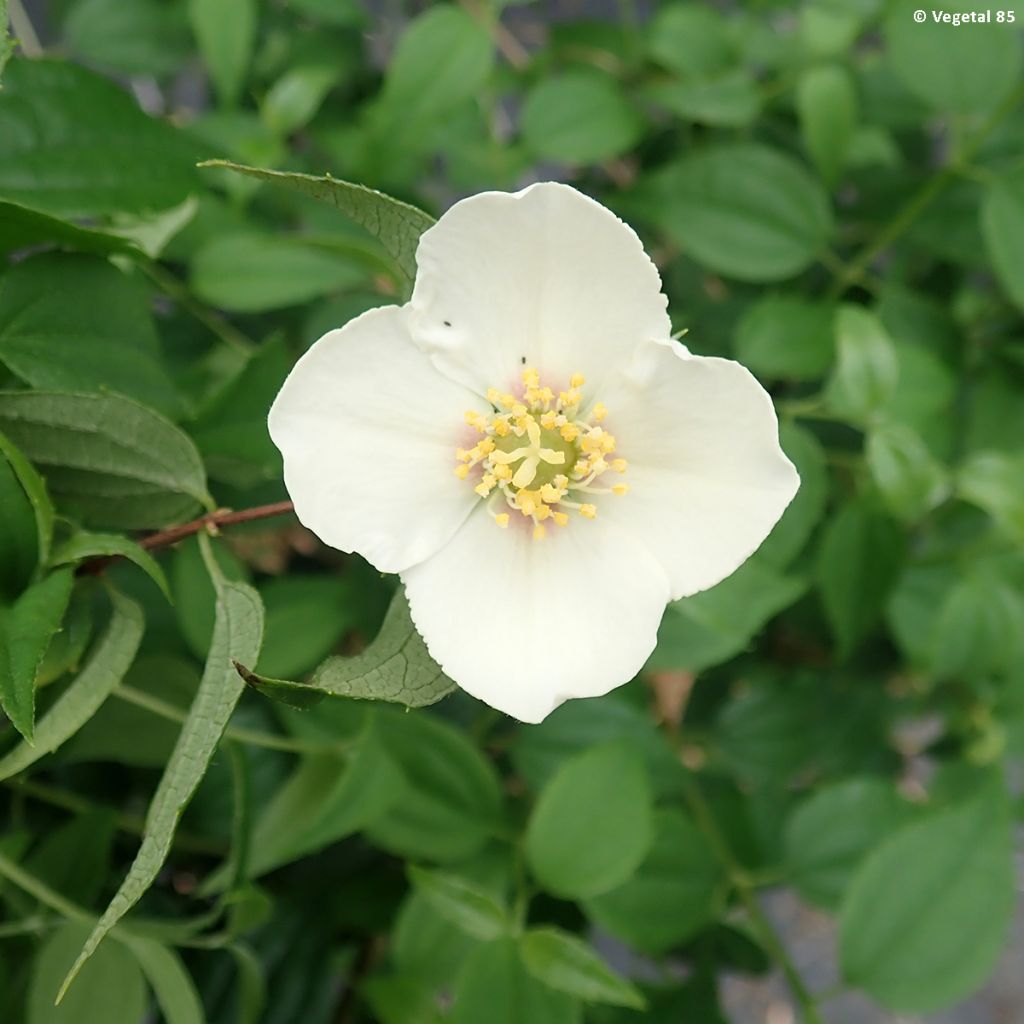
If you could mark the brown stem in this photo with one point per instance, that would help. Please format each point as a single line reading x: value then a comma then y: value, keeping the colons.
x: 211, y: 521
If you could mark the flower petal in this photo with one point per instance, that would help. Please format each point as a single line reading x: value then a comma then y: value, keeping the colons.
x: 524, y: 625
x: 368, y: 428
x: 546, y: 277
x: 707, y: 477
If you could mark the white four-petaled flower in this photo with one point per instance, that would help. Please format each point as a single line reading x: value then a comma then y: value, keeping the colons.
x: 525, y: 444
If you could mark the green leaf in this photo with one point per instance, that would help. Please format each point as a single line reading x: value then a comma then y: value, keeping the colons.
x: 395, y: 667
x: 35, y: 490
x: 22, y: 228
x: 994, y: 481
x: 567, y: 964
x: 979, y: 630
x: 467, y: 905
x: 592, y: 824
x: 99, y: 337
x: 249, y: 273
x: 226, y: 32
x: 920, y: 939
x: 74, y: 143
x: 676, y: 891
x: 442, y: 59
x: 237, y: 635
x: 830, y: 832
x: 401, y: 999
x: 805, y: 511
x: 743, y: 210
x: 107, y: 459
x: 826, y: 102
x: 175, y: 991
x: 324, y: 801
x: 452, y: 802
x: 6, y: 43
x: 82, y: 545
x: 577, y: 725
x: 728, y: 100
x: 110, y: 660
x: 1002, y: 223
x: 26, y: 628
x: 494, y: 986
x: 293, y: 100
x: 859, y: 561
x: 959, y: 69
x: 144, y: 37
x: 867, y: 369
x: 715, y: 625
x: 579, y: 117
x: 396, y: 225
x: 786, y: 336
x: 691, y: 39
x: 19, y: 539
x: 909, y: 478
x: 112, y: 988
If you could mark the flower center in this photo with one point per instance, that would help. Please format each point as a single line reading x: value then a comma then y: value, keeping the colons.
x: 537, y: 456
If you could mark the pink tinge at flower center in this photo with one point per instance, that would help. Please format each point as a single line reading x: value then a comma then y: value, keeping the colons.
x: 537, y: 457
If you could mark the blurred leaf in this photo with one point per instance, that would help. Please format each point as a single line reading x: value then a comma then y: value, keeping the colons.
x: 717, y: 624
x: 826, y: 101
x: 106, y: 667
x: 293, y: 100
x: 306, y: 618
x: 994, y: 482
x: 578, y: 117
x: 6, y: 43
x: 867, y: 370
x: 830, y: 832
x: 495, y: 986
x: 226, y: 32
x: 111, y: 988
x: 80, y: 877
x: 577, y: 725
x: 99, y: 337
x: 396, y: 225
x: 452, y: 802
x: 25, y: 631
x: 144, y: 37
x: 83, y: 545
x: 805, y: 511
x: 1002, y: 221
x: 73, y: 143
x: 193, y: 593
x: 830, y: 27
x: 442, y: 58
x: 401, y: 999
x: 979, y: 629
x: 251, y: 274
x: 568, y: 964
x: 106, y: 459
x: 690, y: 38
x: 324, y: 801
x: 743, y: 210
x: 237, y: 635
x: 909, y: 479
x: 959, y: 69
x: 175, y: 991
x: 786, y: 336
x: 469, y: 906
x: 591, y: 826
x: 728, y: 100
x: 858, y: 563
x: 923, y: 938
x: 674, y: 893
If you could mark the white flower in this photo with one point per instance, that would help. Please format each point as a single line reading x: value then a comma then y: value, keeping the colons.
x: 525, y: 444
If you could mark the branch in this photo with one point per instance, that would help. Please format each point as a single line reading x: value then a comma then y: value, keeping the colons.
x: 212, y: 521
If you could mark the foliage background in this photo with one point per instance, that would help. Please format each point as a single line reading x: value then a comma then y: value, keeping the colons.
x: 834, y: 195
